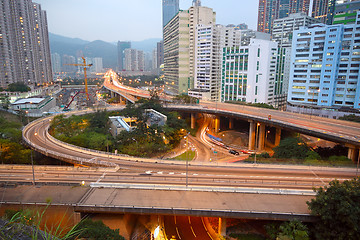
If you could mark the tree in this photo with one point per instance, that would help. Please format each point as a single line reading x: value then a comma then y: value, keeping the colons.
x: 338, y: 209
x: 291, y: 148
x: 97, y: 230
x: 351, y: 117
x: 99, y: 121
x: 18, y: 87
x: 293, y: 230
x: 5, y: 101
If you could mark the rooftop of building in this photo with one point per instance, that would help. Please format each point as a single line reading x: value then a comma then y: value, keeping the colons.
x: 34, y: 100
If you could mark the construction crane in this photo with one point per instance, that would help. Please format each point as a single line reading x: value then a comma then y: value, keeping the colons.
x: 85, y: 67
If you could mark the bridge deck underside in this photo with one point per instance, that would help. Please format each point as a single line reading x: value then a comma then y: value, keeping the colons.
x: 164, y: 202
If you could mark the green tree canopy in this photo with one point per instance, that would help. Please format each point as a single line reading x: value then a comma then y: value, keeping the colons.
x: 18, y: 87
x: 351, y: 117
x: 293, y: 230
x: 338, y: 209
x: 291, y: 148
x: 97, y: 230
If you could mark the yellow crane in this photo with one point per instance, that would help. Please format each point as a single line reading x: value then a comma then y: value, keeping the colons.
x: 85, y: 67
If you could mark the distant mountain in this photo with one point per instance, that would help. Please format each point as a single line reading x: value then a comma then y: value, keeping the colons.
x: 58, y: 38
x: 107, y: 51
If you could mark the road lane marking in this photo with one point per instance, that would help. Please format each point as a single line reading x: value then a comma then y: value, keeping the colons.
x: 102, y: 176
x: 318, y: 177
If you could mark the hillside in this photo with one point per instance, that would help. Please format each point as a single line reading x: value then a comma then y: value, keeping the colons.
x: 108, y: 51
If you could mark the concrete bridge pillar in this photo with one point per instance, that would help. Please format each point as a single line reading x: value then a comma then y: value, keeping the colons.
x: 261, y: 137
x: 193, y: 120
x: 217, y: 124
x: 231, y: 123
x: 77, y: 217
x: 277, y: 136
x: 222, y: 226
x: 353, y: 153
x: 252, y: 131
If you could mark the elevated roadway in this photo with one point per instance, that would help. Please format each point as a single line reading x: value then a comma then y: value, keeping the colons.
x: 329, y: 129
x: 151, y: 176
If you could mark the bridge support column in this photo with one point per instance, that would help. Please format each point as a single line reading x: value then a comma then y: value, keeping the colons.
x: 231, y: 123
x: 252, y: 135
x: 77, y: 217
x: 261, y: 136
x: 353, y: 153
x: 222, y: 226
x: 217, y: 124
x: 193, y: 120
x: 277, y: 136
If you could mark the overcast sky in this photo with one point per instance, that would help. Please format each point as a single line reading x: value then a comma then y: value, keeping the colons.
x: 131, y: 20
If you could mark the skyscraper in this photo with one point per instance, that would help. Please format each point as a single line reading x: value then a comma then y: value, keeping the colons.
x: 24, y: 43
x: 121, y: 56
x: 56, y: 62
x: 180, y: 39
x: 134, y: 60
x: 170, y: 9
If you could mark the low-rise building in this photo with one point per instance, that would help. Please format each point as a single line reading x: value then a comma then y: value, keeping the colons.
x: 34, y: 107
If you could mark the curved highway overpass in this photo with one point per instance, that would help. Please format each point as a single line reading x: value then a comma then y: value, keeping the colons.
x: 37, y: 136
x: 329, y: 129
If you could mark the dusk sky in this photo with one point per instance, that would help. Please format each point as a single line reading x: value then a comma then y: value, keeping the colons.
x: 136, y: 20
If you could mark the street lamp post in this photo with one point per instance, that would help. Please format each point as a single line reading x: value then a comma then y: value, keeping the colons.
x: 187, y: 162
x: 107, y: 145
x: 256, y: 139
x: 32, y: 164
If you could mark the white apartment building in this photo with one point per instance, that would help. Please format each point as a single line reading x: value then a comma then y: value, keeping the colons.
x: 97, y: 65
x: 248, y: 73
x: 283, y: 28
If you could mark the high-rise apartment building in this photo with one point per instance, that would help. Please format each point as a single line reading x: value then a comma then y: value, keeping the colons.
x: 121, y: 46
x: 269, y: 10
x: 170, y: 8
x: 66, y: 60
x: 134, y: 60
x: 248, y: 74
x: 159, y: 54
x: 97, y: 65
x: 24, y: 43
x: 211, y: 40
x: 282, y: 33
x: 284, y: 28
x: 56, y: 62
x: 325, y: 66
x: 176, y: 54
x: 180, y: 39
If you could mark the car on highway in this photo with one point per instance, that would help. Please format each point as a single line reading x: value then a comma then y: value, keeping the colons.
x: 247, y: 151
x: 232, y: 151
